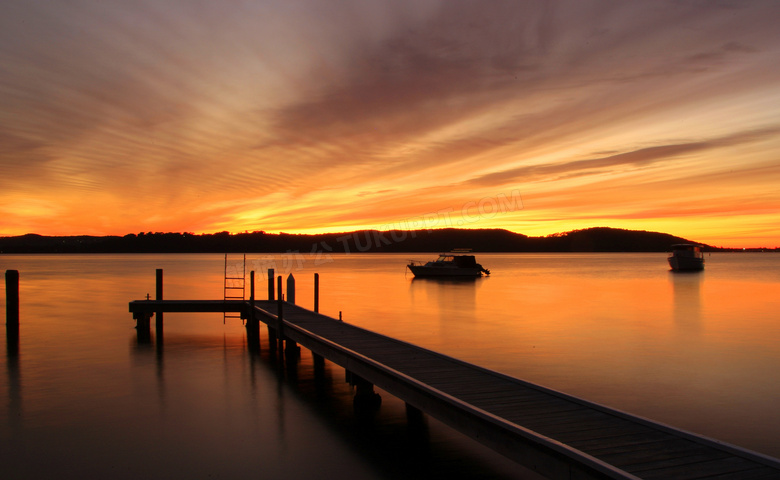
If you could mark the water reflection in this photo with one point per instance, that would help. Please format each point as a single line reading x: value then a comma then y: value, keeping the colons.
x: 686, y: 293
x: 616, y: 328
x: 14, y: 377
x: 453, y: 300
x: 395, y: 441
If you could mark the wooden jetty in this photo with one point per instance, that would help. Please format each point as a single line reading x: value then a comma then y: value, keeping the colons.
x: 557, y: 435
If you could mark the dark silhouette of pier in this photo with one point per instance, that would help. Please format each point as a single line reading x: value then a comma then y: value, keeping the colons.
x: 557, y: 435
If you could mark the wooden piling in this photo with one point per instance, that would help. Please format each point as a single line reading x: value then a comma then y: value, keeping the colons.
x: 12, y: 316
x: 159, y: 296
x: 319, y: 368
x: 414, y: 416
x: 366, y: 400
x: 252, y: 323
x: 319, y: 361
x: 291, y: 288
x: 271, y: 337
x: 417, y: 424
x: 317, y: 292
x: 270, y: 284
x: 291, y: 348
x: 142, y: 321
x: 252, y: 294
x: 280, y: 314
x: 11, y: 299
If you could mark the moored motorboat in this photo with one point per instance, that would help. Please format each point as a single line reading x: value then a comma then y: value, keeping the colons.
x: 449, y: 265
x: 686, y: 257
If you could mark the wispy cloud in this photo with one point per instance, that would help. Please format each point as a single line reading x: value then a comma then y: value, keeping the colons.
x: 635, y: 159
x: 308, y: 114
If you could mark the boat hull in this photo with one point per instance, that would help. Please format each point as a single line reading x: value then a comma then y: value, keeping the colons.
x: 686, y: 264
x: 425, y: 271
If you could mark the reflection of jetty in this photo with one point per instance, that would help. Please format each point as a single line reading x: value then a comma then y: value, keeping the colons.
x: 555, y: 434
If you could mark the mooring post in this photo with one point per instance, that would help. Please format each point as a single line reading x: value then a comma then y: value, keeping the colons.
x: 12, y: 315
x: 11, y: 299
x: 12, y: 339
x: 159, y: 296
x: 270, y: 284
x: 317, y: 292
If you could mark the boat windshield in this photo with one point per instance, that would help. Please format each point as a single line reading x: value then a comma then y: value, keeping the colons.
x: 691, y: 248
x: 694, y: 250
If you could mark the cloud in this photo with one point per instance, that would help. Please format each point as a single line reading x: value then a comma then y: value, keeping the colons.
x: 636, y: 158
x: 320, y: 113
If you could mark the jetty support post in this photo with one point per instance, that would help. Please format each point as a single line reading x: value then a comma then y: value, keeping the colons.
x: 319, y: 360
x: 291, y: 348
x: 317, y: 292
x: 251, y: 317
x: 271, y: 329
x: 415, y: 418
x: 319, y: 366
x: 270, y: 284
x: 142, y: 322
x: 252, y: 323
x: 366, y: 400
x: 280, y: 315
x: 159, y: 296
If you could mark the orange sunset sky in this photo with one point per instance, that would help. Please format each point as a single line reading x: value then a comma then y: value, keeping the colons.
x: 122, y: 116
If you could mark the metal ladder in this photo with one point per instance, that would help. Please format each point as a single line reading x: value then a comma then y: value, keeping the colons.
x: 235, y: 285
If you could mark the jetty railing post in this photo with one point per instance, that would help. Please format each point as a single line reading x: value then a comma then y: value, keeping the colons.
x: 270, y: 284
x: 317, y: 292
x: 159, y: 296
x: 11, y: 299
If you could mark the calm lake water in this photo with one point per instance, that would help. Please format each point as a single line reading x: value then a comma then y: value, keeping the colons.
x: 83, y: 398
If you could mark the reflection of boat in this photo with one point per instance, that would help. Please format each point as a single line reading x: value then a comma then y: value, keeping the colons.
x: 686, y: 257
x: 449, y: 265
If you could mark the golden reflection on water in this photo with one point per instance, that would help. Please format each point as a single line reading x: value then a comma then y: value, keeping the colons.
x: 87, y: 397
x: 694, y: 350
x: 619, y: 329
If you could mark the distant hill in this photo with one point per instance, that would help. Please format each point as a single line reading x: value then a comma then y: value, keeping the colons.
x: 601, y: 239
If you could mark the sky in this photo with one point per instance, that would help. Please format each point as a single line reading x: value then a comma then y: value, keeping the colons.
x: 306, y: 116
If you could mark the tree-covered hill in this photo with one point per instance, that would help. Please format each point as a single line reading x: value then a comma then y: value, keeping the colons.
x: 601, y: 239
